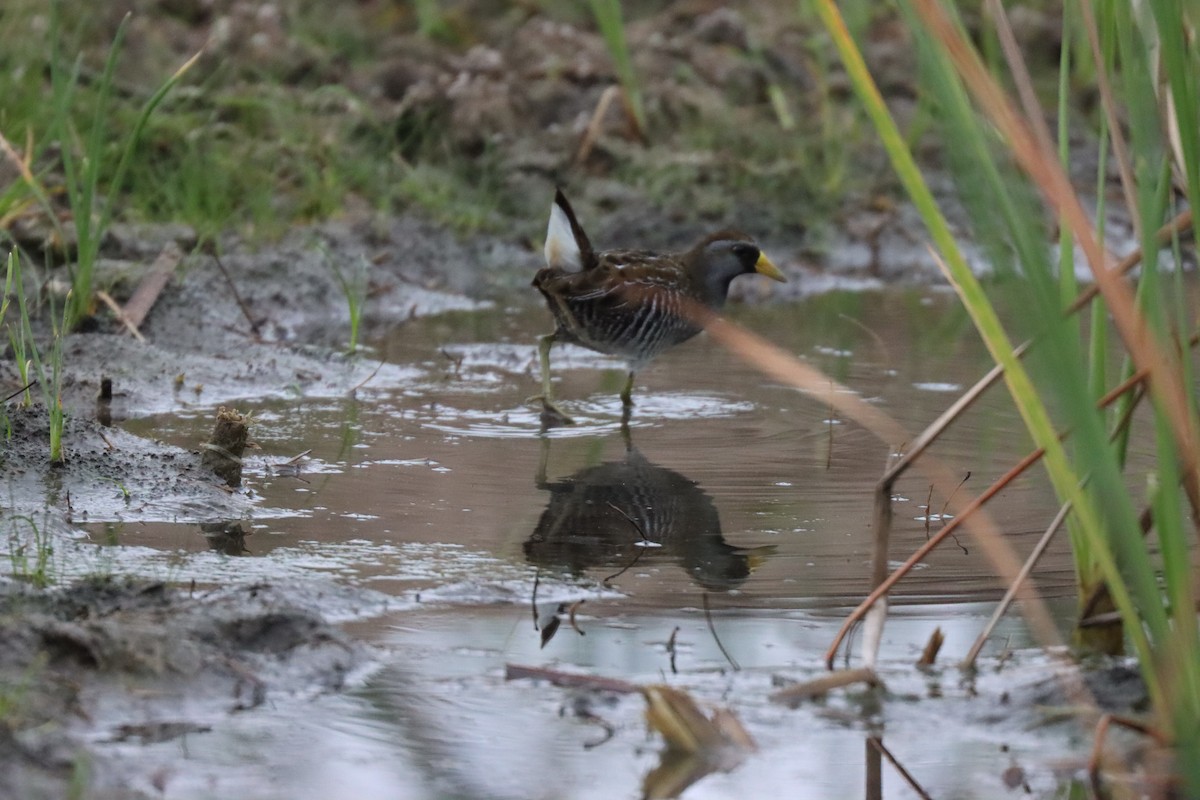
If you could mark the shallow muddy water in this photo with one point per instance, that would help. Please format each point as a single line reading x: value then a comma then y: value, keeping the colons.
x: 441, y: 491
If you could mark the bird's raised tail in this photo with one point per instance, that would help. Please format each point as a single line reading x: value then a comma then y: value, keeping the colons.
x: 567, y: 246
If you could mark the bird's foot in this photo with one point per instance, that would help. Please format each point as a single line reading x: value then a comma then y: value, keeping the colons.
x: 552, y: 415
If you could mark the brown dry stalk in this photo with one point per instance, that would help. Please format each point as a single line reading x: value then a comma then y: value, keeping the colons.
x: 1015, y: 587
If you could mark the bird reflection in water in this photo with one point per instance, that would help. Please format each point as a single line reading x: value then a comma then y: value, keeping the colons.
x: 632, y: 511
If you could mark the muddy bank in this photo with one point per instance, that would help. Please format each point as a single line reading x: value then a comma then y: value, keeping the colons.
x: 108, y: 661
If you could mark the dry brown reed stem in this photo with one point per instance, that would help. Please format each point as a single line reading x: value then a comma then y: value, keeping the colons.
x: 877, y: 743
x: 935, y: 429
x: 792, y: 696
x: 1145, y: 520
x: 932, y: 648
x: 1013, y: 588
x: 119, y: 315
x: 1045, y: 171
x: 1106, y: 722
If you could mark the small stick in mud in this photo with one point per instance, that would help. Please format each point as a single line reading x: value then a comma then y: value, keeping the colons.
x: 255, y: 325
x: 119, y: 314
x: 223, y: 453
x: 150, y: 288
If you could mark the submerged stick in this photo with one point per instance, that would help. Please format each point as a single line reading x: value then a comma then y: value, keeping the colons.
x: 794, y: 695
x: 877, y: 743
x: 570, y: 680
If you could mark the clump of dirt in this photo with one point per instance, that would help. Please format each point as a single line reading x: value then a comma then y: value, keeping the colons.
x: 106, y: 660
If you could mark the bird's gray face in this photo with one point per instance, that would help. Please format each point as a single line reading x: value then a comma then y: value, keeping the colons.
x: 724, y: 260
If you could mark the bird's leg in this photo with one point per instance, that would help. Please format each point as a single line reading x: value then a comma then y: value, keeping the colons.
x: 626, y: 436
x: 550, y: 411
x: 627, y: 393
x: 539, y: 477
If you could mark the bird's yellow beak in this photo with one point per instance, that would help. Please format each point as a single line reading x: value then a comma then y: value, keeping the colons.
x: 764, y: 267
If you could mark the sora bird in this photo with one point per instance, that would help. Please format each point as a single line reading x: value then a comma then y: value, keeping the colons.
x: 633, y: 304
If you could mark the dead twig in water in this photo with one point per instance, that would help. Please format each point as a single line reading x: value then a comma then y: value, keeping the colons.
x: 946, y: 505
x: 671, y: 649
x: 883, y: 508
x: 877, y: 743
x: 354, y: 389
x: 932, y: 648
x: 537, y: 579
x: 882, y: 520
x: 570, y: 680
x: 571, y: 611
x: 794, y: 695
x: 596, y: 719
x: 919, y: 555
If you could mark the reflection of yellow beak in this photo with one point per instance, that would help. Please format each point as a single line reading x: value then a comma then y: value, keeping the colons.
x: 764, y: 267
x: 757, y: 556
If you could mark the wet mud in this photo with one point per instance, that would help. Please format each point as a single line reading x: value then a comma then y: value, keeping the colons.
x: 115, y: 661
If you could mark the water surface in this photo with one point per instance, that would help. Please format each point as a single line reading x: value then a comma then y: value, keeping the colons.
x: 445, y: 493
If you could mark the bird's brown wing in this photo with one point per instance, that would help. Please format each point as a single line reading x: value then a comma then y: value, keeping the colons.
x: 629, y: 304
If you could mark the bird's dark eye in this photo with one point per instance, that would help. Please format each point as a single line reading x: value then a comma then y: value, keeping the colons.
x: 746, y: 252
